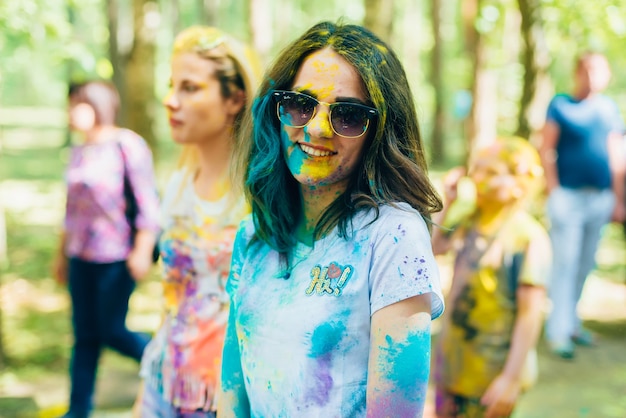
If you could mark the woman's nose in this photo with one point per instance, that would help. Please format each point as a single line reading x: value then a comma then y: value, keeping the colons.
x: 170, y: 100
x: 319, y: 126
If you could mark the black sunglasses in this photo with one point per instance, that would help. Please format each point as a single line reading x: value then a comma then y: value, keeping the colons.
x: 349, y: 120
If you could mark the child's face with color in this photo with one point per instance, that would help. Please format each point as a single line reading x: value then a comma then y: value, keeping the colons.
x: 315, y: 154
x: 495, y: 182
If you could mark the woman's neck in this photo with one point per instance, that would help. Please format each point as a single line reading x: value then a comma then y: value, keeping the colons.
x: 100, y: 133
x: 214, y: 158
x: 315, y: 200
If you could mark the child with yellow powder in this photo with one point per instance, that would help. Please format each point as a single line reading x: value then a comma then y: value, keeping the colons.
x: 486, y: 352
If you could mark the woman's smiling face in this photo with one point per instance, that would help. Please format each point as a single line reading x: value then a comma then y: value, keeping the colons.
x: 315, y: 155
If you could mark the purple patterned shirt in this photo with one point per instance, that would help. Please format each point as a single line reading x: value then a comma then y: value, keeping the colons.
x: 96, y: 228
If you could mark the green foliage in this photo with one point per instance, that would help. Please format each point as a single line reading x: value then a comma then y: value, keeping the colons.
x: 45, y: 43
x: 572, y: 27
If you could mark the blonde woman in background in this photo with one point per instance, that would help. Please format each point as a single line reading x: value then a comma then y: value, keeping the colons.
x: 212, y: 85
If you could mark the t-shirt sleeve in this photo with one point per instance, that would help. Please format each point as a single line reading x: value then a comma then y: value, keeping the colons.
x: 552, y: 113
x: 537, y: 259
x: 403, y: 264
x: 142, y: 180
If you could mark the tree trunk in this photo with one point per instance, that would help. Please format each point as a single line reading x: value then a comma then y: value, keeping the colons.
x: 437, y: 148
x: 117, y: 58
x: 379, y: 18
x: 481, y: 124
x: 260, y: 18
x: 3, y: 262
x: 208, y: 10
x: 536, y: 59
x: 139, y: 72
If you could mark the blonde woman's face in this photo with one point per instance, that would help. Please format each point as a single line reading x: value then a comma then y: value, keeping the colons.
x: 196, y: 110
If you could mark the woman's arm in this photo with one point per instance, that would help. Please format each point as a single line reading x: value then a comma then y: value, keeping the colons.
x: 399, y: 361
x: 59, y: 264
x: 547, y: 153
x: 141, y: 179
x: 232, y: 400
x: 617, y: 161
x: 139, y: 260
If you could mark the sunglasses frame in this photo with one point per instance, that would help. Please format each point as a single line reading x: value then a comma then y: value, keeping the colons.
x: 279, y: 95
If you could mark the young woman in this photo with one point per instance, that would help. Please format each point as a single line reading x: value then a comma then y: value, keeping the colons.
x: 100, y: 256
x: 333, y: 283
x: 212, y: 84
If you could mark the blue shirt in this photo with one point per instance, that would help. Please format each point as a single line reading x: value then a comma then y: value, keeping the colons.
x: 584, y: 126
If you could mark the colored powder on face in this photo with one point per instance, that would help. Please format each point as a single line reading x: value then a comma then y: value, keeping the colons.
x: 300, y: 165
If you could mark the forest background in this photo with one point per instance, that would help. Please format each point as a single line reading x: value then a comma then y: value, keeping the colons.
x: 477, y: 68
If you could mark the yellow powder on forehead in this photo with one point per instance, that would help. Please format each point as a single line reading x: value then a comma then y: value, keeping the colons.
x: 320, y: 94
x: 198, y: 39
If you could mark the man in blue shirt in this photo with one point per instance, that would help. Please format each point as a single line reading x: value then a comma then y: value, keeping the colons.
x: 585, y: 182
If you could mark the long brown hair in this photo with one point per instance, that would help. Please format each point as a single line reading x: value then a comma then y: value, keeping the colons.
x: 393, y: 168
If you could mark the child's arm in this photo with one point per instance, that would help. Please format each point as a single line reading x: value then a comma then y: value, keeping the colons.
x: 502, y: 394
x: 399, y: 363
x: 440, y: 239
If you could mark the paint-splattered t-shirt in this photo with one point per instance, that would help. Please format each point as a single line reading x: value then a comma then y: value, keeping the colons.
x: 182, y: 362
x: 304, y: 334
x: 478, y: 325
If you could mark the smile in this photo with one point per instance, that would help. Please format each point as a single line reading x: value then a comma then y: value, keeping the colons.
x: 314, y: 152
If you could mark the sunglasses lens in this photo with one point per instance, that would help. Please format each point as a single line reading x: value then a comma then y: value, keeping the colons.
x: 349, y: 120
x: 296, y: 109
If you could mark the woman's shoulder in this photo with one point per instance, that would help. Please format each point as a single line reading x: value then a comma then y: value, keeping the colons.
x: 390, y: 213
x: 178, y: 179
x: 385, y: 219
x: 246, y: 228
x: 132, y: 142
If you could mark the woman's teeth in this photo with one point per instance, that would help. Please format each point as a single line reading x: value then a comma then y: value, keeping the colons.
x: 314, y: 152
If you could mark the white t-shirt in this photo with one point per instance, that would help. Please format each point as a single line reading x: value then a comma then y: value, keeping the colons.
x: 182, y: 361
x: 304, y: 335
